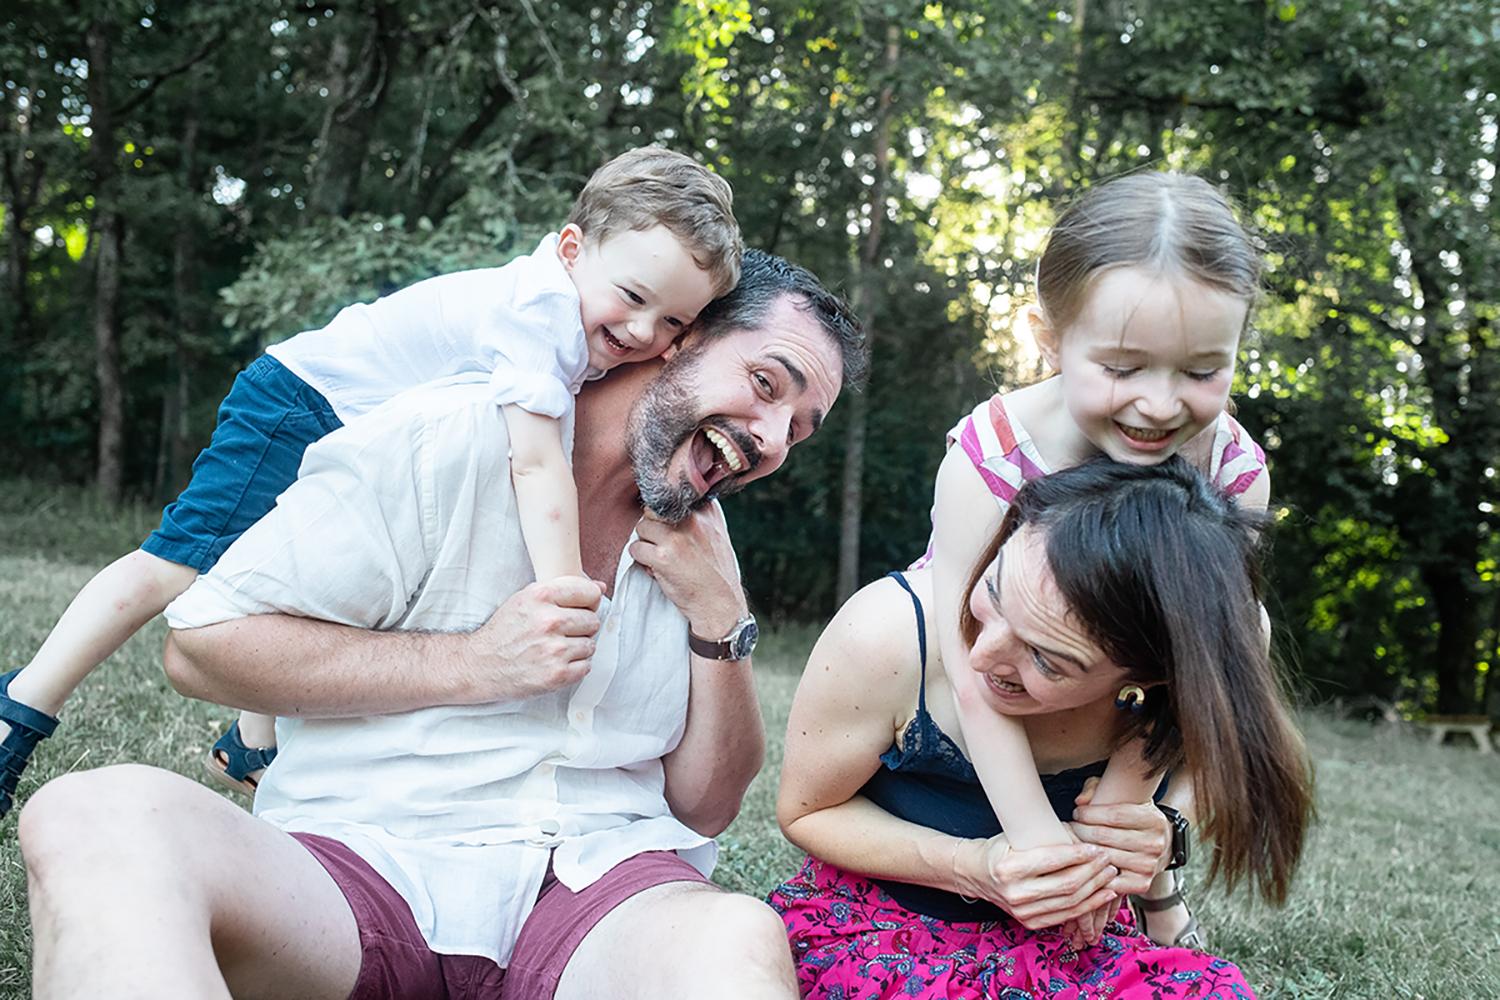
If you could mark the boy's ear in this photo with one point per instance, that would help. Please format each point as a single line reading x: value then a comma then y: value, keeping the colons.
x: 676, y: 344
x: 569, y: 245
x: 1046, y: 336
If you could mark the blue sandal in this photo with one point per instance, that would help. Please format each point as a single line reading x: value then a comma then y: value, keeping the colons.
x: 28, y: 727
x: 233, y: 763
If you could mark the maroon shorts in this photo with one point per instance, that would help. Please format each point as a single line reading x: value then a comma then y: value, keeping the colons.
x: 395, y: 962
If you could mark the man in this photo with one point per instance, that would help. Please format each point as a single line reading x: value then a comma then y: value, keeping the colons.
x: 545, y: 817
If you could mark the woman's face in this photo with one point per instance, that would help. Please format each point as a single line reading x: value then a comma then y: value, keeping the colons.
x: 1034, y: 655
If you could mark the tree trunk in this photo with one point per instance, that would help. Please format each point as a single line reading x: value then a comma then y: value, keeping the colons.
x: 864, y: 307
x: 1448, y: 536
x: 106, y: 241
x: 172, y: 445
x: 358, y: 83
x: 1458, y: 636
x: 23, y: 178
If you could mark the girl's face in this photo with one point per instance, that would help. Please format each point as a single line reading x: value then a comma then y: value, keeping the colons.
x: 1147, y: 363
x: 1034, y: 655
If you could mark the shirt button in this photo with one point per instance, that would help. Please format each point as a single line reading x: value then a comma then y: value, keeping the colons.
x: 550, y: 827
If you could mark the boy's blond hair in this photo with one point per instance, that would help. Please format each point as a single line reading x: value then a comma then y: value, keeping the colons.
x: 652, y: 186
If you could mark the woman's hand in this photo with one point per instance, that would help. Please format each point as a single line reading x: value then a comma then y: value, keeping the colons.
x: 1040, y: 887
x: 1134, y: 837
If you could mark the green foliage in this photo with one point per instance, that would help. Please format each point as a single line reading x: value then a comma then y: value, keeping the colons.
x: 256, y: 148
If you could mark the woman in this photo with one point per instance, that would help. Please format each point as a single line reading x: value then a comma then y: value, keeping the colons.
x: 1116, y: 600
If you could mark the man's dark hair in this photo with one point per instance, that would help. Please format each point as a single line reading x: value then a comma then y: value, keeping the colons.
x: 765, y: 278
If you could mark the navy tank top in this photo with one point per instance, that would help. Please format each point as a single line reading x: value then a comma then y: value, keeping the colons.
x: 925, y: 778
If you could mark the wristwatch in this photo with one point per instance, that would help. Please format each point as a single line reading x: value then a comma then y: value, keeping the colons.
x: 738, y: 644
x: 1180, y: 838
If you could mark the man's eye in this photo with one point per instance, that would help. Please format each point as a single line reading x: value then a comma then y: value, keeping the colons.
x: 763, y: 383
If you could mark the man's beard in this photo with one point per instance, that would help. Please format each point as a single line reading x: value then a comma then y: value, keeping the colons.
x: 661, y: 422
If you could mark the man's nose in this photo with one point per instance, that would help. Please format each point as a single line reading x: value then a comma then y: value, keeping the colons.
x: 772, y: 433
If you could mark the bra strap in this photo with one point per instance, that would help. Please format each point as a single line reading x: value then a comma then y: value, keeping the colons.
x: 921, y: 634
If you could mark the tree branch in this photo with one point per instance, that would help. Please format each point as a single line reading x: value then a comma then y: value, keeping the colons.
x: 142, y: 96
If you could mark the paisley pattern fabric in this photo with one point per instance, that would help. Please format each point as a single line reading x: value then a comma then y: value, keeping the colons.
x: 851, y: 941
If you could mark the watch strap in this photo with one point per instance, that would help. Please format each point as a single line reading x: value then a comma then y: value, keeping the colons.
x: 737, y: 645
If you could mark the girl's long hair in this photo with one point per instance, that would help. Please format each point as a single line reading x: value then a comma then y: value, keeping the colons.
x: 1163, y: 572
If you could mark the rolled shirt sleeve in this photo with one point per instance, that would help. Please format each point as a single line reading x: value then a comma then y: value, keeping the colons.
x: 539, y: 354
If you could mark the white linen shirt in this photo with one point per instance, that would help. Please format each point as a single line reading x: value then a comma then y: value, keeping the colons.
x: 520, y: 324
x: 405, y: 519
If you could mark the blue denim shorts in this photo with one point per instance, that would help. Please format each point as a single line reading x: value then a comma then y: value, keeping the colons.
x: 265, y: 424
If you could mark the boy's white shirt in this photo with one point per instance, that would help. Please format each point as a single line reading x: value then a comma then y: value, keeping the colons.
x: 520, y: 324
x: 405, y: 519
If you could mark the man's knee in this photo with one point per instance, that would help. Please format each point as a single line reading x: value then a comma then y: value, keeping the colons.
x: 100, y: 816
x: 744, y: 932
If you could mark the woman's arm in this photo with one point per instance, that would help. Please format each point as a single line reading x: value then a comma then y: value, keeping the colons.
x: 966, y: 516
x: 859, y: 685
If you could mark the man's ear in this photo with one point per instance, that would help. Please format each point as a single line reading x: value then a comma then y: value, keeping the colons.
x: 1047, y: 337
x: 569, y: 245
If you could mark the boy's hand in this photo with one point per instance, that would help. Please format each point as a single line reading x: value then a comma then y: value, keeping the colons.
x: 695, y: 566
x: 539, y: 640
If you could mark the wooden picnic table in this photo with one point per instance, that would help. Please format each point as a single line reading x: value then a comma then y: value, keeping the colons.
x: 1477, y: 726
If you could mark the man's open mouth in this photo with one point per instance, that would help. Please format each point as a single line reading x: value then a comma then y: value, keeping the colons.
x: 716, y: 457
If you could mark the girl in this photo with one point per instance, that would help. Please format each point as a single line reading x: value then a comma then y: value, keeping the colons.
x: 1143, y: 291
x: 1119, y: 576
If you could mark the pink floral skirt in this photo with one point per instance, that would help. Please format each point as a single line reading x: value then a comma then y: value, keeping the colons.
x: 851, y: 940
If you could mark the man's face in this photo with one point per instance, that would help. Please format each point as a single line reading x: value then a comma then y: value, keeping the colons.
x: 725, y: 411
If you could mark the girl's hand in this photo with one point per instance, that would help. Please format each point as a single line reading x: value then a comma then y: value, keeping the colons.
x: 1040, y: 887
x: 1135, y: 837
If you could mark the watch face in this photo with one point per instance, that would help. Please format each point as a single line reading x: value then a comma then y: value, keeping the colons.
x: 743, y: 642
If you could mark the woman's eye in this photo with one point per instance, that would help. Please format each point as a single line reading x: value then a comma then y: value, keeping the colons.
x: 1203, y: 376
x: 1114, y: 372
x: 674, y: 322
x: 1042, y: 666
x: 633, y: 297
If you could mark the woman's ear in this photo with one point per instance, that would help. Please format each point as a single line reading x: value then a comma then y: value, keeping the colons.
x: 1048, y: 338
x: 569, y: 245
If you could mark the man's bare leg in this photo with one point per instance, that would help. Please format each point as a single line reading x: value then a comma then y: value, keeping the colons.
x: 683, y: 939
x: 145, y: 884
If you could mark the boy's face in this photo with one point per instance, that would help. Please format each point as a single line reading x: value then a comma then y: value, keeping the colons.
x: 637, y: 291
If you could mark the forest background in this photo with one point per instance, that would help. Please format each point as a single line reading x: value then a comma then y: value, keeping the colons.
x: 185, y: 183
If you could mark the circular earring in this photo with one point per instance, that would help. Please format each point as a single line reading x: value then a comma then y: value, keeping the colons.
x: 1132, y: 697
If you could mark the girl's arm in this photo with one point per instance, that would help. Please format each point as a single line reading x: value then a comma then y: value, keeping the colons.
x: 546, y: 496
x: 965, y: 518
x: 860, y: 682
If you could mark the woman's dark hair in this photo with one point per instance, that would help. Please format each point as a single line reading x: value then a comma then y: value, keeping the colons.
x: 1163, y: 573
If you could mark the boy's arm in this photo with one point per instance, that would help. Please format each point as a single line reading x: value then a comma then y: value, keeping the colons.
x: 546, y: 496
x: 966, y: 516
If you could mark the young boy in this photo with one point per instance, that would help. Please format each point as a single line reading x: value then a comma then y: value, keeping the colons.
x: 649, y: 242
